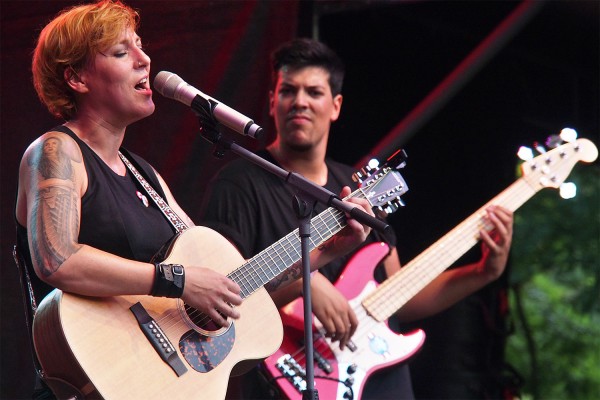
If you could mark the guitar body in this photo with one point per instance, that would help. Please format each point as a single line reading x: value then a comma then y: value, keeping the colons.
x: 376, y: 346
x: 95, y: 346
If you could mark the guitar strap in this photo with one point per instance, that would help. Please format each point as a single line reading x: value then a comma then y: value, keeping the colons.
x: 167, y: 211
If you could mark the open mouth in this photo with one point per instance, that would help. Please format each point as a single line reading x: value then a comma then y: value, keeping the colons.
x: 142, y: 84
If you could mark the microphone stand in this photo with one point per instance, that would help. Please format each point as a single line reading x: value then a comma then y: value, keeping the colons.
x: 308, y: 194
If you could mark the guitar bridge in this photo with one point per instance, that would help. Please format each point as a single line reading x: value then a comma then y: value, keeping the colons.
x: 158, y: 339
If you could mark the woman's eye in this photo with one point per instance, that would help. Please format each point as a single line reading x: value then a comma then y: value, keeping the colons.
x: 121, y: 54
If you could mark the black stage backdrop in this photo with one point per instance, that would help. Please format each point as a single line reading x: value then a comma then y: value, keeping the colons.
x: 533, y: 71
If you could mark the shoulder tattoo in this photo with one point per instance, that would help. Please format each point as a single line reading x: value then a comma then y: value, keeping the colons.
x: 54, y: 223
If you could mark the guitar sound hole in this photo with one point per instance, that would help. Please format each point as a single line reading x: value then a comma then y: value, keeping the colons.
x: 203, y: 323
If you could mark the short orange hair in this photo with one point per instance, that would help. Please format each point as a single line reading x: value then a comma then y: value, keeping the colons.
x: 71, y: 40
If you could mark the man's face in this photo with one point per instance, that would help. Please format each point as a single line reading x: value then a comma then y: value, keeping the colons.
x: 303, y: 107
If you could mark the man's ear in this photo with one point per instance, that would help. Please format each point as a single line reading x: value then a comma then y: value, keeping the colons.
x: 271, y: 103
x: 337, y: 107
x: 74, y: 80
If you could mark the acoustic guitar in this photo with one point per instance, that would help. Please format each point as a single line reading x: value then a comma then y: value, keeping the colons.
x: 143, y: 347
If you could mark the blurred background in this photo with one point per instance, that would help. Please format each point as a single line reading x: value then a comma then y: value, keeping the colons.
x: 459, y: 85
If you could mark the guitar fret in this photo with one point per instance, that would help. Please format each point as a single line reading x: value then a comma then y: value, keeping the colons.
x: 276, y: 251
x: 296, y: 246
x: 414, y: 276
x: 288, y: 255
x: 257, y: 272
x: 278, y: 257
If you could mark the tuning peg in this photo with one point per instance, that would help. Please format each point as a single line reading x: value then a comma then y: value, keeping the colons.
x: 398, y: 203
x: 373, y: 164
x: 553, y: 141
x: 391, y: 206
x: 366, y: 171
x: 567, y: 190
x: 568, y: 135
x: 525, y: 153
x: 358, y: 177
x: 540, y: 149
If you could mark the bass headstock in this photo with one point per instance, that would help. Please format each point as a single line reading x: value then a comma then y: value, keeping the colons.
x: 551, y: 167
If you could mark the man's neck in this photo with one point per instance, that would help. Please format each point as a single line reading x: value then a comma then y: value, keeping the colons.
x: 309, y: 164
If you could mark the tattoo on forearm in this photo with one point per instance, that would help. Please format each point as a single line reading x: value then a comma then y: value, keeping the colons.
x: 326, y: 245
x: 292, y: 273
x: 54, y: 223
x: 287, y: 276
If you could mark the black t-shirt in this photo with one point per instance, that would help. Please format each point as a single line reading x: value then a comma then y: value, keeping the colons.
x: 114, y: 216
x: 253, y: 208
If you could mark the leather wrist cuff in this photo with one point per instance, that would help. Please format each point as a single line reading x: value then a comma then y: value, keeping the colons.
x: 169, y: 280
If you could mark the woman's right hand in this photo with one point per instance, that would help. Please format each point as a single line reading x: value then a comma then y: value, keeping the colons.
x: 212, y: 293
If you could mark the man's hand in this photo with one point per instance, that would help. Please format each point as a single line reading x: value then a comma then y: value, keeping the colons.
x: 333, y: 310
x: 496, y: 244
x: 354, y: 233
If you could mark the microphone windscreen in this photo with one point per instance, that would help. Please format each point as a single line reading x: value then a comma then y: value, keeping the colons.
x: 166, y: 83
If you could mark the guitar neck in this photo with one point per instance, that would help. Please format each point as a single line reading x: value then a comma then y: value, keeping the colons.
x: 281, y: 255
x: 414, y: 276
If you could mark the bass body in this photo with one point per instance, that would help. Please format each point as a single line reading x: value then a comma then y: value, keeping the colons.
x: 341, y: 374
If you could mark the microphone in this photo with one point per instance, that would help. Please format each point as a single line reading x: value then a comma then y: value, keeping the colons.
x: 172, y: 86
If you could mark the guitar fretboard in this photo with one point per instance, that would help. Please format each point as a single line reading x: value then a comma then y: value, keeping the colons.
x: 281, y: 255
x: 414, y: 276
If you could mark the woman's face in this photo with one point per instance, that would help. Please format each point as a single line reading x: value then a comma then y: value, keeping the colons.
x: 51, y: 146
x: 117, y: 83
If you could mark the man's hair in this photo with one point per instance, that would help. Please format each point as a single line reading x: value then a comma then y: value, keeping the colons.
x: 72, y: 40
x: 303, y: 52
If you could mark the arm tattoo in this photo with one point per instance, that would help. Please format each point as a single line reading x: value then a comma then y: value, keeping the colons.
x: 292, y: 273
x: 54, y: 223
x: 287, y: 276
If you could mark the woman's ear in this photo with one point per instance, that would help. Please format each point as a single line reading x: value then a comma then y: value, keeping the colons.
x: 74, y: 80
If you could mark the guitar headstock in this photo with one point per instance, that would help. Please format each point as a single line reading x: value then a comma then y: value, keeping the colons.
x: 384, y: 185
x: 551, y: 168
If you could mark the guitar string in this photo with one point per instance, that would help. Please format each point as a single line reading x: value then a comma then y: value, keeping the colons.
x: 325, y: 346
x: 367, y: 323
x: 424, y: 268
x: 204, y: 319
x: 282, y: 259
x: 334, y: 214
x: 272, y: 251
x: 269, y: 265
x: 326, y: 221
x: 512, y: 198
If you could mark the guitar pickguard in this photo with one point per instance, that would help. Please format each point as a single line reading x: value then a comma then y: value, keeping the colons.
x: 204, y: 353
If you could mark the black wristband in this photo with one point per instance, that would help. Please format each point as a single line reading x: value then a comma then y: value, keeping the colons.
x: 169, y: 280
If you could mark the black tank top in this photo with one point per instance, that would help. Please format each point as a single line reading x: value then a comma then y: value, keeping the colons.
x: 114, y: 217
